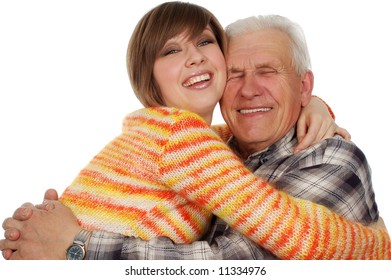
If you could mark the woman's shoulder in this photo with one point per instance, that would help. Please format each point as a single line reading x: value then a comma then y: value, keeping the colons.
x: 162, y: 113
x: 162, y: 116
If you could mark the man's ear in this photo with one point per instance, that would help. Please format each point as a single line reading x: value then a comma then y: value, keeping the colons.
x: 307, y: 84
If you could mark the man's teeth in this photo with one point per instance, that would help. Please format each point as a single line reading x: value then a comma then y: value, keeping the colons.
x: 249, y: 111
x: 197, y: 79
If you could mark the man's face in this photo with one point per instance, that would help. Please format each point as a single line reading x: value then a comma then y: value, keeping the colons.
x: 263, y: 95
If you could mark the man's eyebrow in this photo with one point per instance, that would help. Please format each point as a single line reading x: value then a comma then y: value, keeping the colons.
x: 235, y: 70
x: 262, y: 65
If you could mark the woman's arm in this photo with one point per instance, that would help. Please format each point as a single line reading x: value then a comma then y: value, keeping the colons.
x: 291, y: 228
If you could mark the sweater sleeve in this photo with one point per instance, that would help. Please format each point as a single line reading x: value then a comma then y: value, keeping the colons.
x: 223, y: 131
x: 202, y: 168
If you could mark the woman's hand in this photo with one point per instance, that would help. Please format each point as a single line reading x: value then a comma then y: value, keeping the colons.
x: 39, y: 232
x: 316, y: 124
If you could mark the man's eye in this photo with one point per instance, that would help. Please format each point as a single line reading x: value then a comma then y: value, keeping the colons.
x: 266, y: 71
x: 234, y: 76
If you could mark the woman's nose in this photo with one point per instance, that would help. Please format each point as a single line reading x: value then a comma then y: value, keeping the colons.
x: 195, y: 56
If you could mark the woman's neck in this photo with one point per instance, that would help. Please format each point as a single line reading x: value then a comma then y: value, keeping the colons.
x: 207, y: 117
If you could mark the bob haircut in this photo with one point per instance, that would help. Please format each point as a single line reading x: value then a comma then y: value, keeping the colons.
x: 154, y: 29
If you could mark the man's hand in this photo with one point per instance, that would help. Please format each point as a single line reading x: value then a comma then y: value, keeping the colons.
x: 22, y: 213
x: 50, y: 194
x: 42, y: 232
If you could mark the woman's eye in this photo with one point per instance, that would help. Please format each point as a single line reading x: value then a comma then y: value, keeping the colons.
x: 205, y: 42
x: 168, y: 52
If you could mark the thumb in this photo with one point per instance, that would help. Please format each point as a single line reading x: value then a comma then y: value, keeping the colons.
x: 51, y: 194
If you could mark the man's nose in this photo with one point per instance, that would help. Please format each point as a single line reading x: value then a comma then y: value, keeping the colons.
x: 249, y: 86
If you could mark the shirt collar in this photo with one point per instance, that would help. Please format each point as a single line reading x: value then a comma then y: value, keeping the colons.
x: 281, y: 148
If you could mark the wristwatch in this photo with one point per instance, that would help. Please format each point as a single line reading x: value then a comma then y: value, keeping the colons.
x: 77, y: 250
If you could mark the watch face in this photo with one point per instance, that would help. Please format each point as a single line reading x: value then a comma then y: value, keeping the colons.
x: 75, y: 252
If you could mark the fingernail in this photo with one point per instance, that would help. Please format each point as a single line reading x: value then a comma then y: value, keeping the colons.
x: 25, y: 212
x: 8, y: 234
x: 49, y: 206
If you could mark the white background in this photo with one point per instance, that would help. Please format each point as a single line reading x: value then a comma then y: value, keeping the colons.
x: 64, y: 89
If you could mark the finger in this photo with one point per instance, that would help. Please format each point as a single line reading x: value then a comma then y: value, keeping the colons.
x: 6, y: 222
x: 305, y: 142
x: 301, y: 130
x: 7, y: 253
x: 331, y: 131
x: 27, y: 205
x: 12, y: 234
x: 40, y: 206
x: 7, y: 245
x: 344, y: 133
x: 9, y: 223
x: 46, y: 205
x: 309, y: 139
x: 334, y: 129
x: 15, y: 256
x: 23, y: 213
x: 2, y: 245
x: 51, y: 194
x: 12, y: 223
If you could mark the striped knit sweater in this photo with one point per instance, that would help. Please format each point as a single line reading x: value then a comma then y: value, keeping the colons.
x: 141, y: 183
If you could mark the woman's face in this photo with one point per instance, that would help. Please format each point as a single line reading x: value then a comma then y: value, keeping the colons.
x: 191, y: 73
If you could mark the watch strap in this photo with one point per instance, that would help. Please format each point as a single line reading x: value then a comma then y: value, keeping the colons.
x: 82, y: 237
x: 80, y: 241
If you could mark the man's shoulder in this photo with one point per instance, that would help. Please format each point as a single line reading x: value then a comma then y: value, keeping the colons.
x: 335, y: 150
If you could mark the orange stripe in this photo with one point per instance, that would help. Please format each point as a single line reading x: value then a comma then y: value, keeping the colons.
x: 286, y: 227
x: 91, y: 179
x: 85, y: 200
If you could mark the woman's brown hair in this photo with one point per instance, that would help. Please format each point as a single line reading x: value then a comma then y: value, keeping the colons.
x: 153, y: 30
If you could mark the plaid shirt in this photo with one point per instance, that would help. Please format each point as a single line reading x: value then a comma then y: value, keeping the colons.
x: 334, y: 173
x: 221, y: 242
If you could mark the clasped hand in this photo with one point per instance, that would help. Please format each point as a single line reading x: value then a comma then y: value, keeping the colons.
x: 41, y: 232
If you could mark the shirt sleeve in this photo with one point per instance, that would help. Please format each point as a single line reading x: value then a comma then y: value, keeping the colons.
x: 230, y: 245
x: 336, y: 174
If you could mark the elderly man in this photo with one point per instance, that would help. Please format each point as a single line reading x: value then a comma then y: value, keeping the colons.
x: 269, y: 81
x: 266, y: 88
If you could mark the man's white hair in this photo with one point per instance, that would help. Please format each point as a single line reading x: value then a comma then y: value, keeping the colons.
x: 300, y: 55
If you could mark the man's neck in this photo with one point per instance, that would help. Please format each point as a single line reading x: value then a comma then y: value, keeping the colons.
x: 244, y: 151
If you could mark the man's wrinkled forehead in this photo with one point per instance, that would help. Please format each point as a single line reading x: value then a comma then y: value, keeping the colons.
x: 257, y: 49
